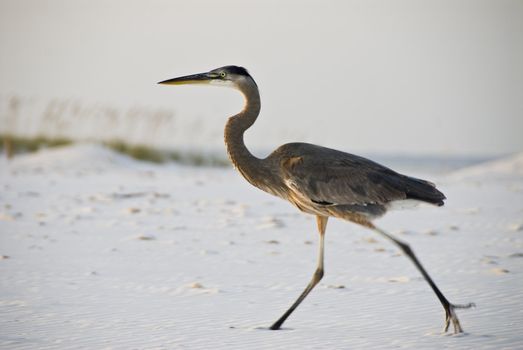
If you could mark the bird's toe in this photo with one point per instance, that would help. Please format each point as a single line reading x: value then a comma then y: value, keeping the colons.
x: 452, y: 317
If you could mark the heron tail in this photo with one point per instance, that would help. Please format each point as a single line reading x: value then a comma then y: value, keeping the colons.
x: 422, y: 190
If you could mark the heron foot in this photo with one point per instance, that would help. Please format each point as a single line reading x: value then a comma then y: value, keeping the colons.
x: 450, y: 316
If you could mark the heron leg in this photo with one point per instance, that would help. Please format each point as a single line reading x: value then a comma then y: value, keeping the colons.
x: 450, y: 313
x: 316, y: 277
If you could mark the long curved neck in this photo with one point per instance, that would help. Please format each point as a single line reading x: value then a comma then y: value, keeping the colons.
x: 243, y: 160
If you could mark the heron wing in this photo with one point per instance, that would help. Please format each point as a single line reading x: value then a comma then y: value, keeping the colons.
x: 330, y: 177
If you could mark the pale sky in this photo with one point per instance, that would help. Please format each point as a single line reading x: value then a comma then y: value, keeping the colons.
x: 416, y: 77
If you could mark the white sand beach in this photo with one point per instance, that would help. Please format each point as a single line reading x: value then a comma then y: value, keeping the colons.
x: 99, y: 251
x: 102, y: 251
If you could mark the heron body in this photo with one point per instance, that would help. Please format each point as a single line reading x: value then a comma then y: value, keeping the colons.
x: 320, y: 181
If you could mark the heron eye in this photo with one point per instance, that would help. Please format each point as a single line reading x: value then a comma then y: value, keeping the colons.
x: 222, y: 74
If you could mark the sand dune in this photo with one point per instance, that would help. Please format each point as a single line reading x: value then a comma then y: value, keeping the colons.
x: 511, y: 166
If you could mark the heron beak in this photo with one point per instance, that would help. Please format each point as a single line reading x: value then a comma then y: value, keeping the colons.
x: 200, y: 78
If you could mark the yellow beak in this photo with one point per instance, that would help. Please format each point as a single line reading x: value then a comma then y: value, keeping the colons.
x: 200, y: 78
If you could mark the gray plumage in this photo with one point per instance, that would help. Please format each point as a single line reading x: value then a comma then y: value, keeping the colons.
x: 320, y: 181
x: 335, y: 180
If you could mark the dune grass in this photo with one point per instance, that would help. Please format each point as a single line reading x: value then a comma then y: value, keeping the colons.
x: 12, y: 145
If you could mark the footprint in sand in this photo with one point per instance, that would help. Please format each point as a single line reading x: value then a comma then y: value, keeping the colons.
x: 498, y: 271
x: 271, y: 222
x: 515, y: 227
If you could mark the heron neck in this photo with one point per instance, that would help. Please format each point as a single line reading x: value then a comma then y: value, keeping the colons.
x: 240, y: 156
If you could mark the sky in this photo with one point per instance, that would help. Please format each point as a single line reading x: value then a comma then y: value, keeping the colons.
x: 414, y: 77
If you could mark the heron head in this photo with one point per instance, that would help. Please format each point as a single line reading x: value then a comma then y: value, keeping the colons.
x: 232, y: 76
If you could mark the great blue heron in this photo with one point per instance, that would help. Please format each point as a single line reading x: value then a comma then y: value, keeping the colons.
x: 320, y: 181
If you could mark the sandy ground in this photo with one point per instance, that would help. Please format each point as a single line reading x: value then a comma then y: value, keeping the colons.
x: 102, y: 252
